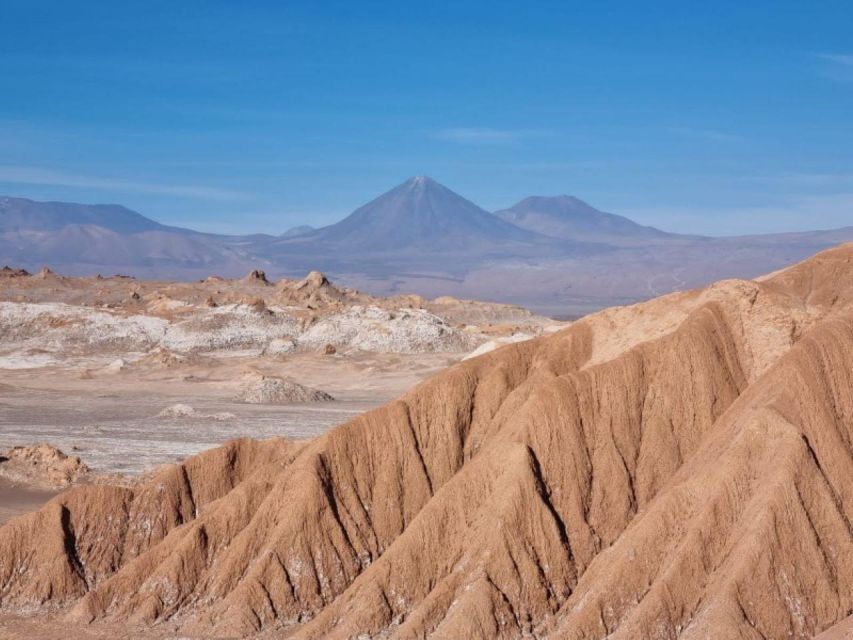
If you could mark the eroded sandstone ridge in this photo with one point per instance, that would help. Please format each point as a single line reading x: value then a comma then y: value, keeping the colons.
x: 676, y: 469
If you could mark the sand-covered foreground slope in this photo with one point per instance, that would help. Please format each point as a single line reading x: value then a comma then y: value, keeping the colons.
x: 682, y: 468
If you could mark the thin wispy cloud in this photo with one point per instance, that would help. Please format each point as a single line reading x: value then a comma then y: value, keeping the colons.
x: 482, y: 135
x: 710, y: 135
x: 845, y: 59
x: 270, y: 222
x: 817, y: 180
x: 837, y: 67
x: 16, y: 174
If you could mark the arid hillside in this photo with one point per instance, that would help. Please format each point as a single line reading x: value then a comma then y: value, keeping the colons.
x: 681, y: 468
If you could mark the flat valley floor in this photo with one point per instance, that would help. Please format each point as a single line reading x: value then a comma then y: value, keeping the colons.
x: 113, y: 422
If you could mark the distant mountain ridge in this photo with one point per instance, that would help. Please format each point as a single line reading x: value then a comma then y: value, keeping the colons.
x: 104, y: 237
x: 557, y: 255
x: 21, y: 214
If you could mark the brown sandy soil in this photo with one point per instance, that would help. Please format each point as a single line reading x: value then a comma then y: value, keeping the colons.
x: 841, y: 631
x: 53, y: 627
x: 680, y: 469
x: 15, y: 500
x: 58, y: 627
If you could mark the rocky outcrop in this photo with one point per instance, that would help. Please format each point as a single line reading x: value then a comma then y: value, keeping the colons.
x: 46, y: 274
x: 256, y: 276
x: 260, y: 389
x: 41, y: 466
x: 316, y: 291
x: 11, y: 272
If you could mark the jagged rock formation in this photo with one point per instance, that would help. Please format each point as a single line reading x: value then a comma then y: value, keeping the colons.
x: 256, y: 276
x: 682, y: 469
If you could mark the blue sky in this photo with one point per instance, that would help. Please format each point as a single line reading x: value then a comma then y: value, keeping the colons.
x: 715, y: 117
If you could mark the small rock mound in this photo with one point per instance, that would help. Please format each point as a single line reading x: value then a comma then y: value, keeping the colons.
x: 261, y: 389
x: 313, y: 281
x: 314, y: 290
x: 42, y: 465
x: 178, y: 411
x: 280, y: 346
x: 115, y: 366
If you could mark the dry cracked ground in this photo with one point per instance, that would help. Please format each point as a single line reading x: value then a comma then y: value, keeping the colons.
x: 680, y: 468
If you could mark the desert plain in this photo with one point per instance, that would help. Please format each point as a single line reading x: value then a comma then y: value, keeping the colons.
x: 246, y: 458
